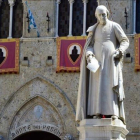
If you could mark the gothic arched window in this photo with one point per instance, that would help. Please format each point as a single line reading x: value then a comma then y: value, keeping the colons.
x: 80, y: 14
x: 17, y: 19
x: 4, y: 19
x: 77, y: 18
x: 63, y: 27
x: 91, y: 7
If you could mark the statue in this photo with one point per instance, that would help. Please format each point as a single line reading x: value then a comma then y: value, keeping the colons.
x: 101, y: 94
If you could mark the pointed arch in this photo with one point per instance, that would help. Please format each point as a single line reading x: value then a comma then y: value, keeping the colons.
x: 30, y: 106
x: 52, y: 93
x: 46, y: 80
x: 37, y: 135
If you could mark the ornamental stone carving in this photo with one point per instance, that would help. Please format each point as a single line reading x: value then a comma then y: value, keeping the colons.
x: 71, y: 1
x: 38, y: 110
x: 11, y: 2
x: 68, y: 137
x: 85, y: 1
x: 58, y: 1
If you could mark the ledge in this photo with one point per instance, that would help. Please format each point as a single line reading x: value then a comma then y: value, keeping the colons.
x: 50, y: 38
x: 130, y: 35
x: 37, y: 39
x: 133, y: 134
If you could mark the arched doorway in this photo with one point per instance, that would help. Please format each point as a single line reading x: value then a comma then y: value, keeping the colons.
x: 37, y: 135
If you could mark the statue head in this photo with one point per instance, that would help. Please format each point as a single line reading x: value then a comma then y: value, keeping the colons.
x: 102, y: 14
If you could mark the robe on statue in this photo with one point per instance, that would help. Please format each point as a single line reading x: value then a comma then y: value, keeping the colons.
x: 103, y: 90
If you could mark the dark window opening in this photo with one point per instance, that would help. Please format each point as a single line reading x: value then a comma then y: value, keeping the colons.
x: 49, y: 57
x: 91, y: 7
x: 25, y: 58
x: 138, y: 16
x: 128, y: 55
x: 17, y: 19
x: 78, y: 9
x: 4, y: 19
x: 63, y: 27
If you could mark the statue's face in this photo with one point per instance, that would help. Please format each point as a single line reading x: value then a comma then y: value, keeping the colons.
x: 102, y: 16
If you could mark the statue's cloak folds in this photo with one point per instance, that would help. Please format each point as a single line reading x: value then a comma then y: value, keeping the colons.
x: 84, y: 78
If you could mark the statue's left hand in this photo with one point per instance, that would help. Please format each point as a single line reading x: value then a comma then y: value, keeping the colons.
x: 117, y: 54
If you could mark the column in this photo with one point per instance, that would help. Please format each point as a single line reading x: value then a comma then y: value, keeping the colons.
x: 11, y: 3
x: 134, y: 17
x: 84, y: 17
x: 57, y: 16
x: 70, y: 18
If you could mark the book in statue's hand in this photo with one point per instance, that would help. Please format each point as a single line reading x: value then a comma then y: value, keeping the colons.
x: 93, y: 65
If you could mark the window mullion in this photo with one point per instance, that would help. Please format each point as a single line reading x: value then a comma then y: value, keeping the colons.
x: 11, y: 3
x: 70, y: 17
x: 57, y: 16
x: 84, y: 17
x: 134, y: 17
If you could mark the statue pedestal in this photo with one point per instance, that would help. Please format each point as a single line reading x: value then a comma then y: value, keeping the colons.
x: 102, y: 129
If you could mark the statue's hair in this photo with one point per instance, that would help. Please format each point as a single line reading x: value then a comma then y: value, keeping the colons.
x: 100, y: 7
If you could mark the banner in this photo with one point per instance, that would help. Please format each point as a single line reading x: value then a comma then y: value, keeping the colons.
x: 69, y: 51
x: 9, y: 56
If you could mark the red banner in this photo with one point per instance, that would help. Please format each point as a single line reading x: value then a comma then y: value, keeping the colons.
x: 69, y: 51
x: 9, y: 55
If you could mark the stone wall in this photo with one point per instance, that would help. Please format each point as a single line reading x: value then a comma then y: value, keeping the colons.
x: 40, y: 9
x: 117, y: 12
x: 39, y: 80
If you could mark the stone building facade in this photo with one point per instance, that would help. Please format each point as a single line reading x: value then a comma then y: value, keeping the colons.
x: 38, y: 98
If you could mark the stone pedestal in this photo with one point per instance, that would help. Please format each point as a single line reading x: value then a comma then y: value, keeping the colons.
x: 102, y: 129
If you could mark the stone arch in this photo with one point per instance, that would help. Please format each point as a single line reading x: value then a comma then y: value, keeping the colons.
x: 44, y: 79
x: 19, y: 124
x: 35, y: 135
x: 43, y: 88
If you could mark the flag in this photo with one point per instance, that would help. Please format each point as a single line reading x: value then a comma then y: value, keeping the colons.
x: 32, y: 24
